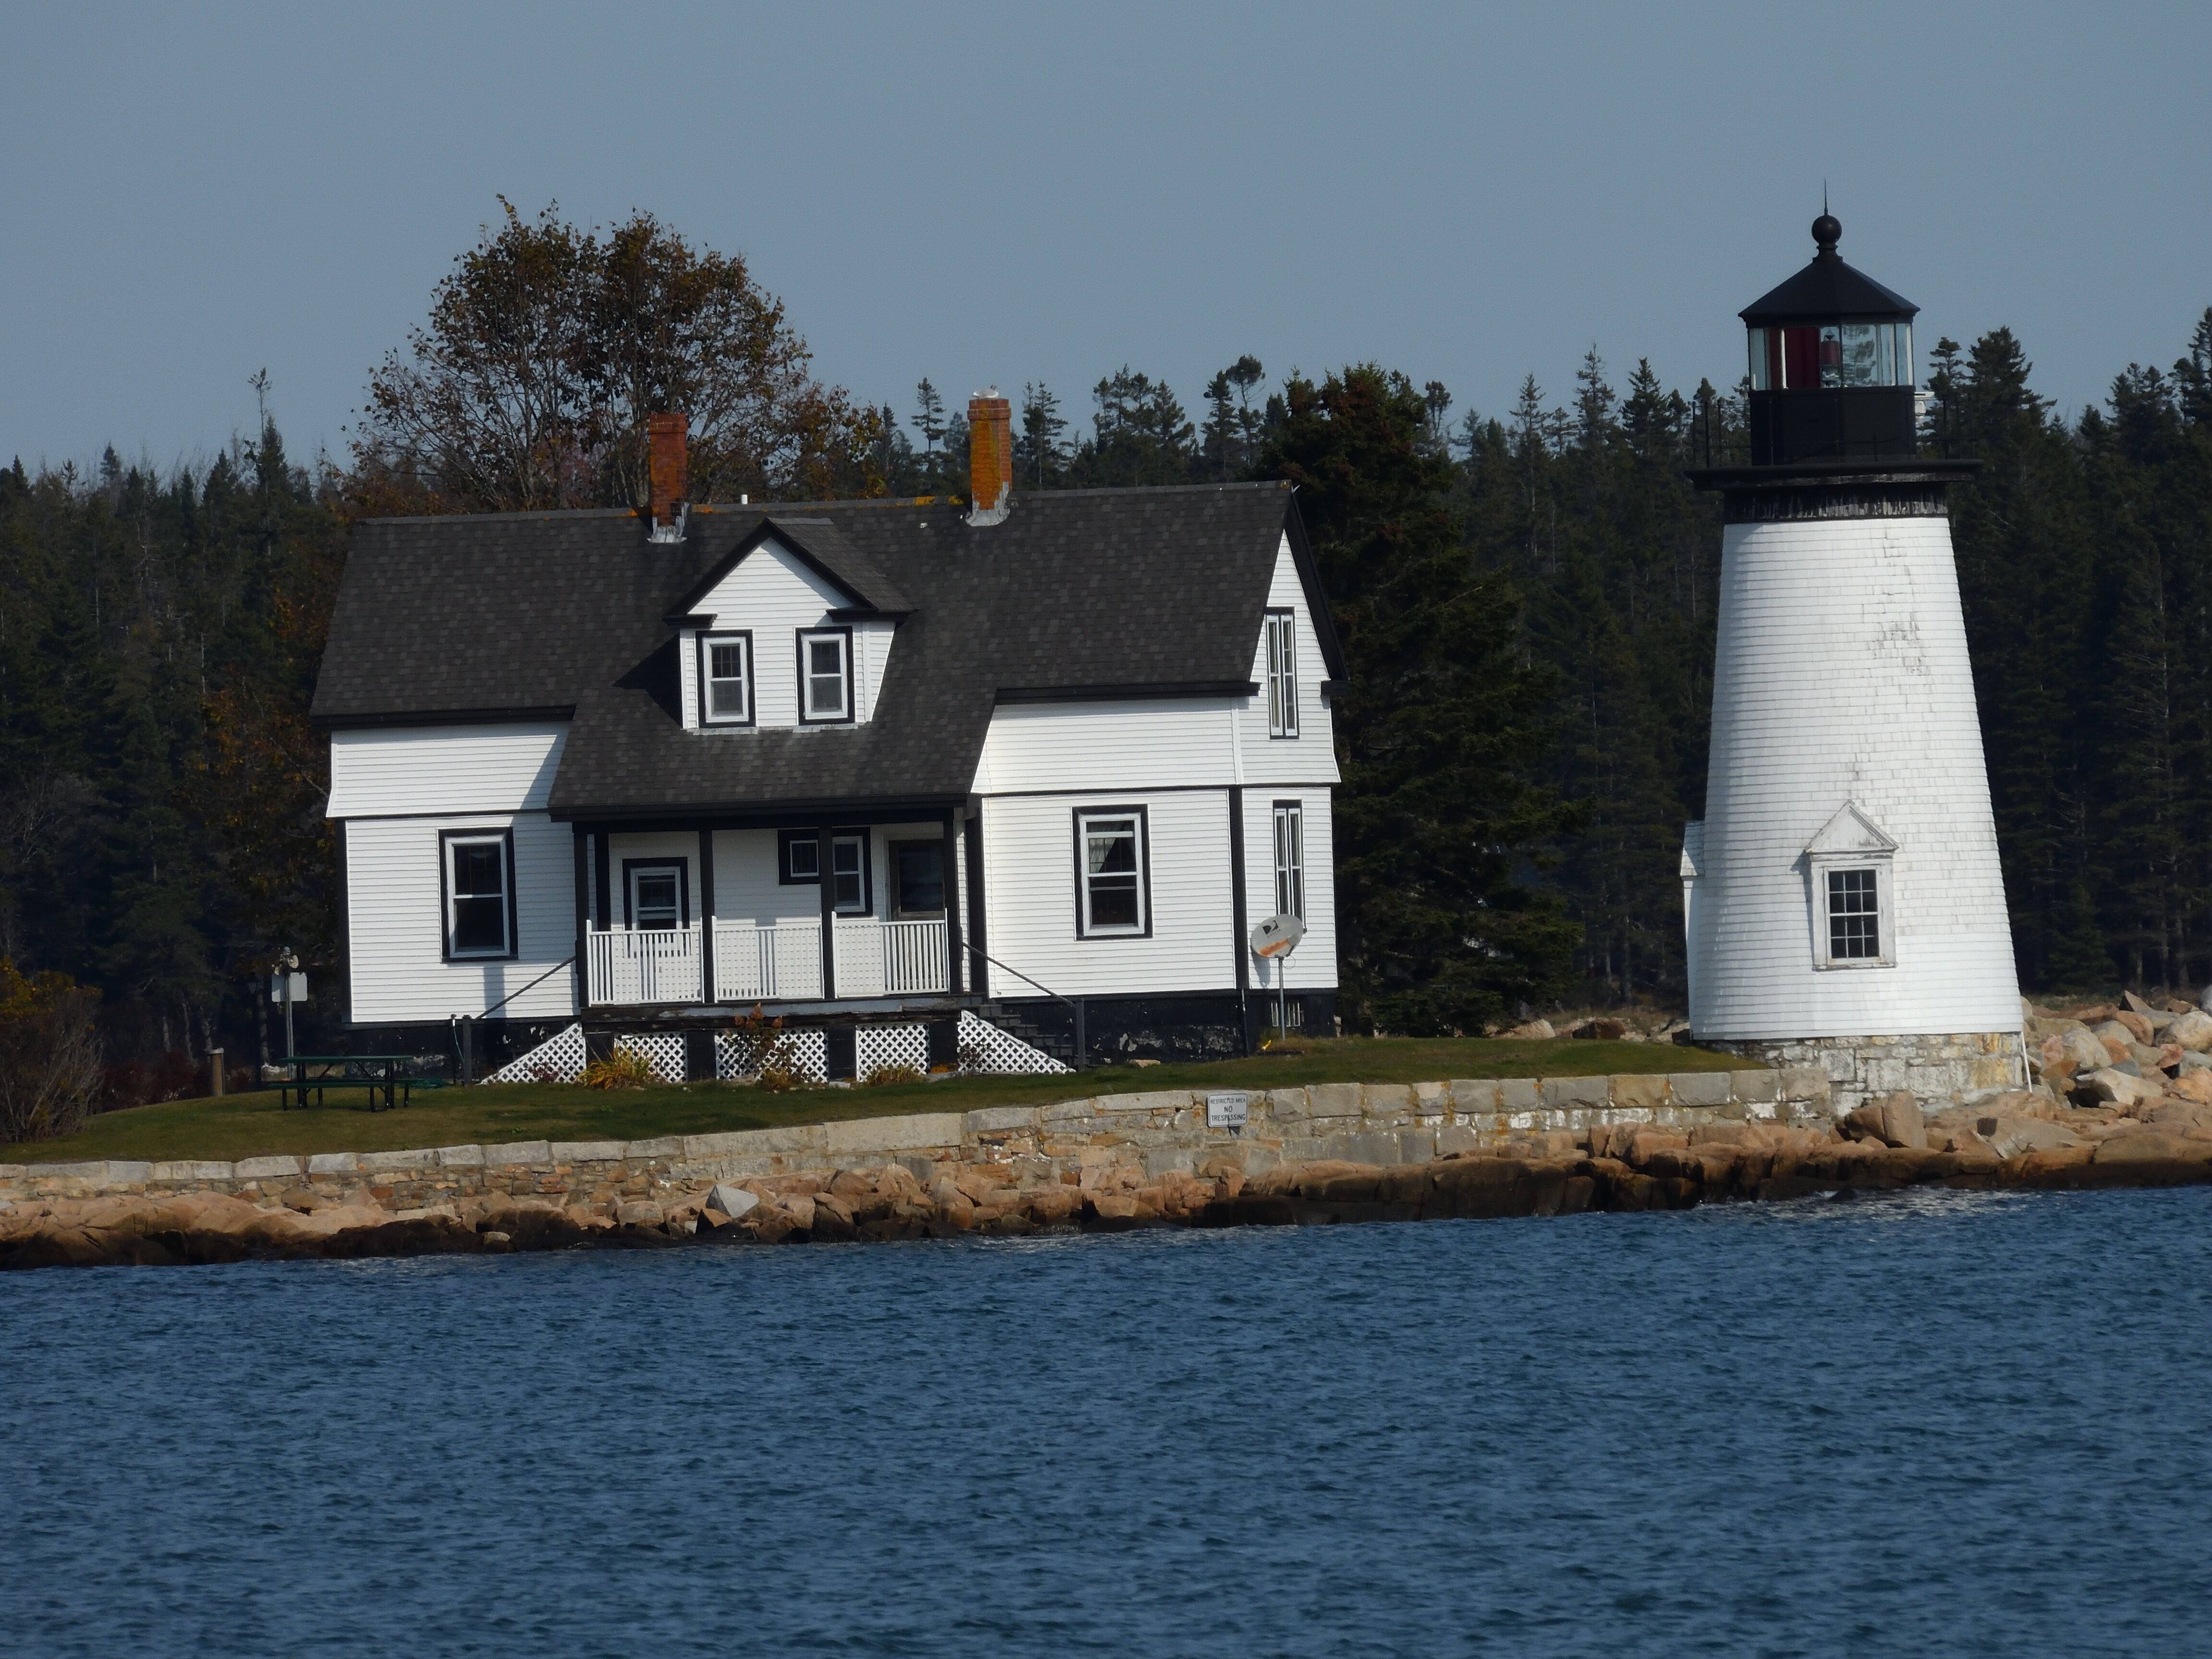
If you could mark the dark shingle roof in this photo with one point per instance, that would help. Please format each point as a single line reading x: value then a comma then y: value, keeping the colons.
x: 1825, y: 291
x: 1143, y: 590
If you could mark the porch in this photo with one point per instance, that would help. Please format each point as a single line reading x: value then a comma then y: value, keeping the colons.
x: 784, y: 963
x: 734, y: 915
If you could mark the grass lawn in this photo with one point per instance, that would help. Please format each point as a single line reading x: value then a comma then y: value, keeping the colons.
x: 251, y: 1126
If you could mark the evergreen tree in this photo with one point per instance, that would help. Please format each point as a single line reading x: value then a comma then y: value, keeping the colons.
x: 1441, y: 729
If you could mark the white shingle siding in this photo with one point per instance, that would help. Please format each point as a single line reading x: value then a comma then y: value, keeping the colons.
x: 1108, y: 745
x: 1841, y: 675
x: 444, y: 768
x: 396, y: 924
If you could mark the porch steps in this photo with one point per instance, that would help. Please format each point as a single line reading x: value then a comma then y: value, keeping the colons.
x: 1061, y: 1048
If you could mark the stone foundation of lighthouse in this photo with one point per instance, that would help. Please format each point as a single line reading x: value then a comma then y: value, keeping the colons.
x: 1956, y: 1068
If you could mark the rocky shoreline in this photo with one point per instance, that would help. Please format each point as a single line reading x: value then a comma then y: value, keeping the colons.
x: 2015, y: 1142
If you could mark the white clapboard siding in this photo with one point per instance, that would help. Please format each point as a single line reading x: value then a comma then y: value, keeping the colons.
x: 772, y: 595
x: 444, y: 768
x: 395, y: 922
x: 1841, y: 675
x: 1139, y: 744
x: 1312, y: 966
x: 1029, y: 891
x: 1309, y: 757
x: 747, y: 887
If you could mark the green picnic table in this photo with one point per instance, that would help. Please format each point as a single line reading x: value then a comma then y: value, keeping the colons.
x: 386, y: 1074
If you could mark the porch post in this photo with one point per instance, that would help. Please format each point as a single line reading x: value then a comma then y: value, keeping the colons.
x: 826, y: 869
x: 602, y: 880
x: 1238, y: 944
x: 951, y: 859
x: 583, y: 918
x: 706, y: 913
x: 977, y: 942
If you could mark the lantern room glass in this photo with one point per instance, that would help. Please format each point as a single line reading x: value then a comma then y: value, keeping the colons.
x: 1831, y: 355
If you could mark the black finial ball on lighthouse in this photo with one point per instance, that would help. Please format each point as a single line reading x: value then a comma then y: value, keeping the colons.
x: 1831, y: 365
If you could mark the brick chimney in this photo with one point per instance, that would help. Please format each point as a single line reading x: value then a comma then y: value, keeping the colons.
x: 665, y: 437
x: 990, y: 457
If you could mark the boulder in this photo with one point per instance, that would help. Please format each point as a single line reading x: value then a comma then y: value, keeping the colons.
x: 2191, y: 1030
x: 1902, y: 1124
x: 2009, y: 1137
x: 2135, y: 1023
x: 2116, y: 1038
x: 1604, y: 1030
x: 1536, y: 1029
x: 2134, y: 1003
x: 2079, y: 1044
x: 2194, y: 1084
x: 2148, y: 1146
x: 731, y: 1201
x: 2115, y: 1087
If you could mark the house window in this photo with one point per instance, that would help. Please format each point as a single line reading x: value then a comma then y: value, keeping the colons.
x: 1290, y: 859
x: 1282, y: 674
x: 918, y: 870
x: 1110, y: 872
x: 851, y: 892
x: 1854, y: 916
x: 658, y: 894
x: 825, y: 676
x: 725, y: 680
x: 478, y: 871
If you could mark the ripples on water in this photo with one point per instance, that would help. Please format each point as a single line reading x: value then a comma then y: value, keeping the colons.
x: 1935, y: 1423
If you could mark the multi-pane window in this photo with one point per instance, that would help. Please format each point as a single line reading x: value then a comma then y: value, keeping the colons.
x: 1282, y: 674
x: 825, y: 666
x: 1110, y: 872
x: 1290, y: 859
x: 1854, y: 915
x: 849, y: 866
x: 656, y: 896
x: 725, y: 680
x: 479, y: 896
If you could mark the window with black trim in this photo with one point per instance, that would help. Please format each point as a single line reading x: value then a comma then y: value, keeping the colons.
x: 800, y: 864
x: 918, y: 879
x: 1111, y: 872
x: 477, y: 869
x: 1854, y: 915
x: 825, y: 676
x: 725, y: 680
x: 1282, y: 673
x: 656, y: 895
x: 1290, y: 859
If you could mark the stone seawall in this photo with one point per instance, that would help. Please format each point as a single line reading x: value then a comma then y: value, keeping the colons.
x: 1085, y: 1144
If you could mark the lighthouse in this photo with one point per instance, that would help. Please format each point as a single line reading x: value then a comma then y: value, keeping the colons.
x: 1844, y: 904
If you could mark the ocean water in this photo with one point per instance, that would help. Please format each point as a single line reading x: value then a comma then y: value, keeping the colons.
x: 1922, y: 1424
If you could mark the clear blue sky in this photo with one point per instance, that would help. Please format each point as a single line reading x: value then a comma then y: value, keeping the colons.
x: 1002, y: 194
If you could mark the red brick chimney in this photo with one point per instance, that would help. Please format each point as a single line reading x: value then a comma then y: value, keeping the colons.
x: 990, y: 456
x: 665, y: 437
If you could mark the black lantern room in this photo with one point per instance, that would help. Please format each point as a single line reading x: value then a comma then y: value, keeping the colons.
x: 1831, y: 364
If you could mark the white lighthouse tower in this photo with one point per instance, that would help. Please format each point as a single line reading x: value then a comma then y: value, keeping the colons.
x: 1844, y: 906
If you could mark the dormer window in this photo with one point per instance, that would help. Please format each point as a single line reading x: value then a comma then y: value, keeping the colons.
x: 825, y: 676
x: 1282, y: 673
x: 1851, y: 864
x: 725, y: 680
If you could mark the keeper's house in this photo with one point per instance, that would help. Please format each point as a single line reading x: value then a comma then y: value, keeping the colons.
x: 865, y: 764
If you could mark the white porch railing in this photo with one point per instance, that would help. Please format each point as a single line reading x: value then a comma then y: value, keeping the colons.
x: 762, y: 964
x: 889, y: 958
x: 644, y: 965
x: 781, y: 964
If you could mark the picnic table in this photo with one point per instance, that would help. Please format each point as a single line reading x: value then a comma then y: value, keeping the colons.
x: 390, y: 1075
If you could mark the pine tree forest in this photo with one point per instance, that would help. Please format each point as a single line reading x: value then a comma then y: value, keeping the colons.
x: 1526, y: 597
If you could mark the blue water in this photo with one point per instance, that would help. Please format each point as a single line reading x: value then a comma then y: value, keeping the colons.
x: 1929, y: 1424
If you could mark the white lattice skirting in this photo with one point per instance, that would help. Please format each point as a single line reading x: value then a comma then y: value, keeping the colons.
x: 735, y: 1055
x: 999, y: 1052
x: 875, y: 1047
x: 661, y: 1050
x: 558, y: 1060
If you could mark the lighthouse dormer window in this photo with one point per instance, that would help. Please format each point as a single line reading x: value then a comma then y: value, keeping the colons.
x: 1851, y: 863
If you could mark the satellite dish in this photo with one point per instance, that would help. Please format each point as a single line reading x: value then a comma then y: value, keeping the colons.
x: 1278, y: 936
